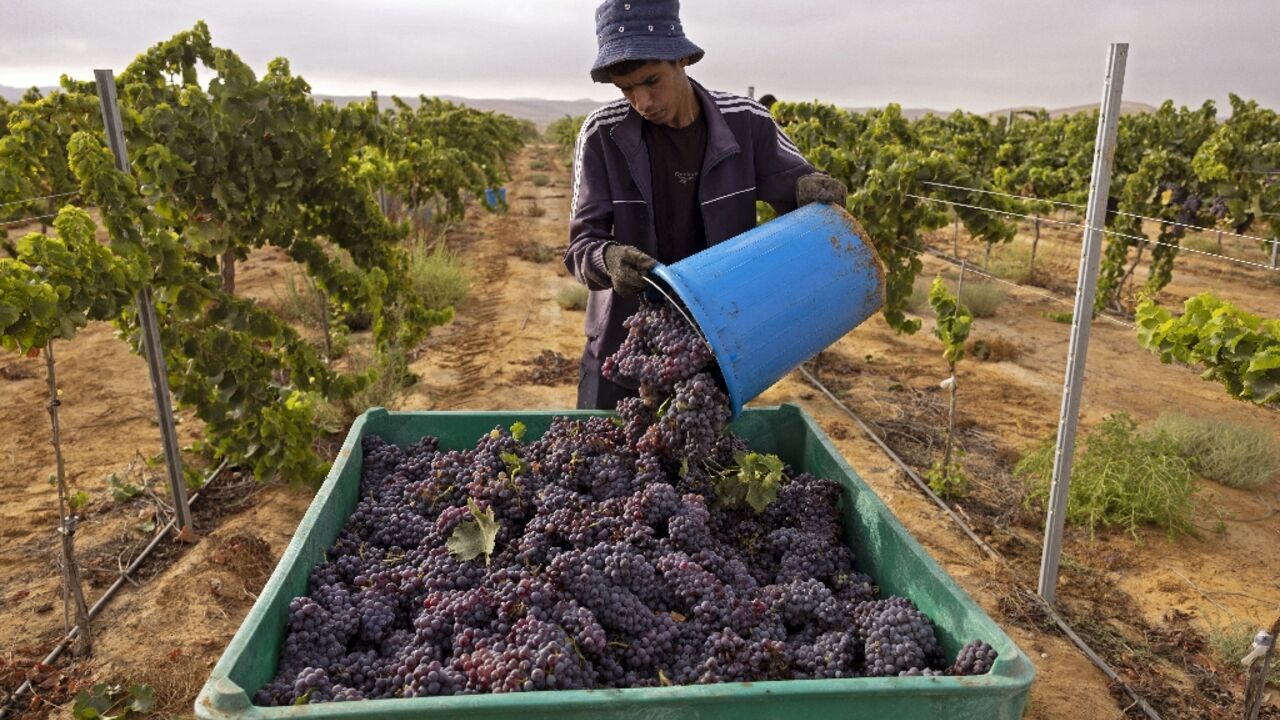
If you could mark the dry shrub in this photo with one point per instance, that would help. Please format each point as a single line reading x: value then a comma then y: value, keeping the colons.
x: 549, y: 368
x: 572, y: 297
x: 532, y: 251
x: 994, y: 349
x: 1234, y: 454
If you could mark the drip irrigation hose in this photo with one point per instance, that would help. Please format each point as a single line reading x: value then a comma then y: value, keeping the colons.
x: 106, y: 597
x: 1049, y: 610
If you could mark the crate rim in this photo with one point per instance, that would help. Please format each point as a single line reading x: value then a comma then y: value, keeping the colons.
x: 221, y: 697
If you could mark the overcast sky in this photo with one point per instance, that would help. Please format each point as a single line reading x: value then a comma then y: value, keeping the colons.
x: 976, y: 54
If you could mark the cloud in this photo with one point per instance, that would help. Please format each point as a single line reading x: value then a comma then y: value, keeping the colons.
x: 980, y: 54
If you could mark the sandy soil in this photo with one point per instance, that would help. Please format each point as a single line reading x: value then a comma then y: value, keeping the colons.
x: 170, y: 628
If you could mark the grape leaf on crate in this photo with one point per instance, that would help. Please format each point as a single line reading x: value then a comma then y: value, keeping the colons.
x: 476, y: 536
x: 518, y: 430
x: 754, y: 481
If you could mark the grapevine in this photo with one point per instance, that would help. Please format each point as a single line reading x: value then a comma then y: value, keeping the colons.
x: 1237, y: 349
x: 886, y: 164
x: 953, y: 325
x: 215, y: 176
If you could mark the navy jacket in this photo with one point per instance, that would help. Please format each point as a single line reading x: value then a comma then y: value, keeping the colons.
x: 748, y: 158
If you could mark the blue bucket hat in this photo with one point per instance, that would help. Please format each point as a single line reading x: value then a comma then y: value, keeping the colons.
x: 640, y: 30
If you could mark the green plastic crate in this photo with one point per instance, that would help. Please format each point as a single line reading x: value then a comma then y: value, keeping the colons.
x: 883, y: 547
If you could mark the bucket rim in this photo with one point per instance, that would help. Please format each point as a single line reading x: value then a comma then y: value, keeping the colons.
x: 701, y: 318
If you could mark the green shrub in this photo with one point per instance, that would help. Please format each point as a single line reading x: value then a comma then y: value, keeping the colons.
x: 301, y: 302
x: 1012, y: 262
x: 541, y: 180
x: 919, y: 301
x: 437, y: 275
x: 572, y: 297
x: 982, y: 299
x: 563, y: 133
x: 1122, y: 478
x: 539, y: 164
x: 1235, y: 454
x: 949, y: 482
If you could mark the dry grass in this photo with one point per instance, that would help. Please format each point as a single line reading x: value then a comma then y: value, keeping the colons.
x: 1232, y: 640
x: 301, y: 303
x: 1012, y: 262
x: 533, y: 251
x: 437, y: 275
x: 1234, y: 454
x: 572, y: 297
x: 982, y: 299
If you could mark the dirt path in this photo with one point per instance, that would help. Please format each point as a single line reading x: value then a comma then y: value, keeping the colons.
x: 511, y: 315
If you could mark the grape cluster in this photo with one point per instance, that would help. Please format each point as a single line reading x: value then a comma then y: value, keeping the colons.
x: 976, y: 658
x: 1189, y: 207
x: 660, y: 349
x: 614, y: 563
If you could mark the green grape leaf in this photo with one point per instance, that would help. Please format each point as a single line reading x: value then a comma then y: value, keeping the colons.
x: 518, y: 430
x: 143, y: 698
x: 93, y: 703
x: 516, y: 466
x: 474, y: 537
x: 754, y: 481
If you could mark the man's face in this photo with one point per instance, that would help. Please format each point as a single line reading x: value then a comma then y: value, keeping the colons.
x: 656, y: 90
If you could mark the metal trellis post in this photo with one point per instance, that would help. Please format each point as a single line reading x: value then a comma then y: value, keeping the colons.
x: 1086, y: 285
x: 377, y: 120
x: 154, y: 352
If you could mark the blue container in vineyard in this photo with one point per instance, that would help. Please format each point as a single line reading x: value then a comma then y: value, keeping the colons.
x: 775, y: 296
x: 495, y: 197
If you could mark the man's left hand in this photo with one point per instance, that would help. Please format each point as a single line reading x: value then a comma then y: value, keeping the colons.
x: 817, y: 187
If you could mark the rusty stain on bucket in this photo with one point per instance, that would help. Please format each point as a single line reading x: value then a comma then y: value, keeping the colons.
x: 873, y: 257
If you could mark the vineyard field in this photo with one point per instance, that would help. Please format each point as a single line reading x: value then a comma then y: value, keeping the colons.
x: 168, y: 632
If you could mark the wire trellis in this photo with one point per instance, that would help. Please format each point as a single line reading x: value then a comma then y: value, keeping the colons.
x: 1076, y: 206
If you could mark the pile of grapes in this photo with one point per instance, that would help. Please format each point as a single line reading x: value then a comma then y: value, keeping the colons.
x: 644, y: 550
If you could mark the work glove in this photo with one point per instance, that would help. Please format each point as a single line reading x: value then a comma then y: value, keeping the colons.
x: 816, y: 187
x: 627, y: 266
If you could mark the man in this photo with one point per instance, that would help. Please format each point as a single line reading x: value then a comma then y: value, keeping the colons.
x: 670, y: 169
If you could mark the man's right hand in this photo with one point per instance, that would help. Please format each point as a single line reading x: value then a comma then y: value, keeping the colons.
x: 627, y: 266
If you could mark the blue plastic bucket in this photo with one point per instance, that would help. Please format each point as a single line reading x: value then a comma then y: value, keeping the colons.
x: 775, y: 296
x: 495, y: 197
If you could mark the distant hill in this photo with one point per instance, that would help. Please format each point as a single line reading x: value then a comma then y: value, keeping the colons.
x: 542, y: 111
x: 14, y: 94
x: 1127, y: 107
x: 908, y: 113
